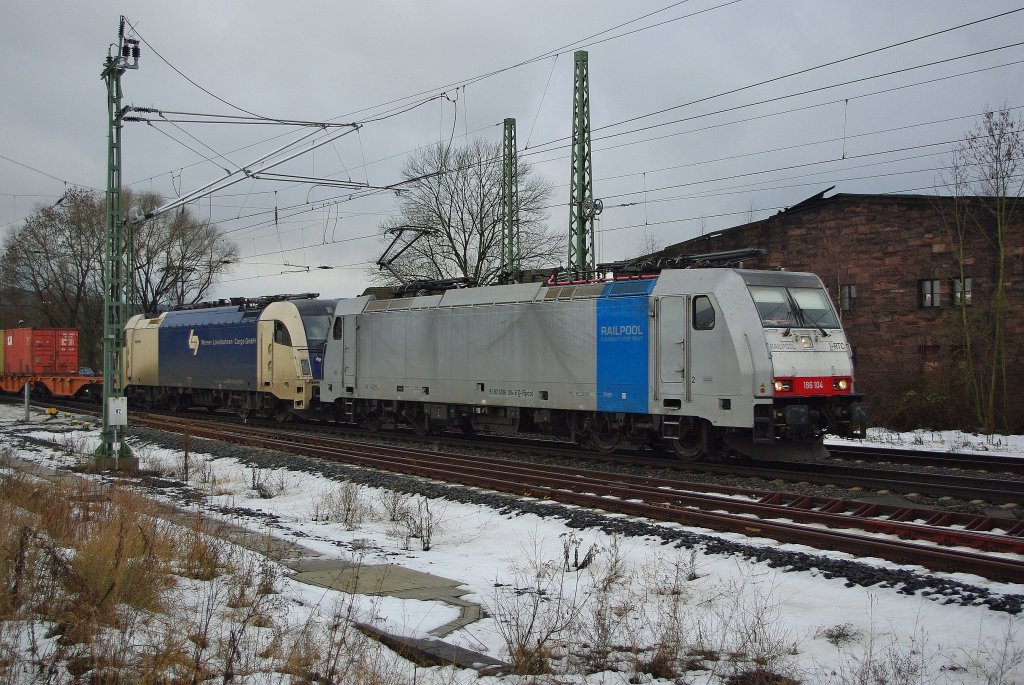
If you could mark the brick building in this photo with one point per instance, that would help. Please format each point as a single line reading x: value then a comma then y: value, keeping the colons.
x: 890, y: 265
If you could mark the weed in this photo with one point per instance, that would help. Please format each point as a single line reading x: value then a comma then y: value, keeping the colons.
x: 537, y: 612
x: 345, y: 503
x: 571, y: 552
x: 422, y: 525
x: 395, y: 504
x: 267, y: 484
x: 838, y: 634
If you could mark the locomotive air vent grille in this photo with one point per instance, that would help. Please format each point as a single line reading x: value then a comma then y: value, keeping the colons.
x: 555, y: 293
x: 377, y: 305
x: 592, y: 290
x: 399, y: 303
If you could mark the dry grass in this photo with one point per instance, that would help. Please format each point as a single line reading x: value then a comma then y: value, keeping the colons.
x: 89, y: 550
x: 99, y: 587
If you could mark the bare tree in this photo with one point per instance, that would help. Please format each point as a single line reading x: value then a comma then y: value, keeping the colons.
x: 649, y: 244
x: 55, y: 259
x: 177, y: 257
x: 986, y: 176
x: 457, y: 194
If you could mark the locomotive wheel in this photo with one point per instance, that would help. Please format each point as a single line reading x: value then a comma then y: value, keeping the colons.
x: 282, y: 412
x: 603, y: 435
x: 417, y: 420
x: 174, y: 402
x: 420, y: 426
x: 690, y: 445
x: 372, y: 419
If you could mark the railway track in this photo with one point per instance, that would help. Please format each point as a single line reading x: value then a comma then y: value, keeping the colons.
x: 883, y: 481
x: 938, y: 540
x: 995, y: 463
x: 957, y: 482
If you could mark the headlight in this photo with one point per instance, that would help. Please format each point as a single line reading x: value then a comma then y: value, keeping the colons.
x: 841, y: 384
x: 783, y: 384
x: 806, y: 342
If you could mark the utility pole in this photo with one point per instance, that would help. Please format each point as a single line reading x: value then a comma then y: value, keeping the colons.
x: 511, y: 255
x: 113, y: 450
x: 582, y: 206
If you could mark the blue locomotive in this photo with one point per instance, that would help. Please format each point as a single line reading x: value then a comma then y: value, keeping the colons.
x: 261, y: 357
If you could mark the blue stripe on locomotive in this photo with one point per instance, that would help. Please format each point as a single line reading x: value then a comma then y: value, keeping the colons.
x: 214, y: 348
x: 622, y: 347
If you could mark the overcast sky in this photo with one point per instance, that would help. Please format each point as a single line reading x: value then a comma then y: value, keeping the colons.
x: 685, y: 140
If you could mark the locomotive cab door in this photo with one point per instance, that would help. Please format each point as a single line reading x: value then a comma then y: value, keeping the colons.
x: 340, y: 360
x: 275, y: 353
x: 333, y: 361
x: 713, y: 358
x: 265, y: 353
x: 671, y: 355
x: 349, y: 353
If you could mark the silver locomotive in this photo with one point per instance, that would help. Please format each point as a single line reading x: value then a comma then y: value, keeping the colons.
x: 691, y: 360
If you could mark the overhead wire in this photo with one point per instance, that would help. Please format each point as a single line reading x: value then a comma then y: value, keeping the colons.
x: 779, y: 97
x: 768, y: 115
x: 400, y: 108
x: 793, y: 95
x: 576, y: 44
x: 824, y: 65
x: 189, y: 79
x: 46, y: 174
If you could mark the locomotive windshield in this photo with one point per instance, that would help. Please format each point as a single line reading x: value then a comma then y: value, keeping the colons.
x: 785, y: 307
x: 317, y: 316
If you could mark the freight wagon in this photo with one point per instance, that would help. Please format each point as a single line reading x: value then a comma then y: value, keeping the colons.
x: 40, y: 351
x: 45, y: 359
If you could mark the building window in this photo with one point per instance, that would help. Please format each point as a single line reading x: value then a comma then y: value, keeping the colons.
x: 961, y: 291
x: 847, y: 297
x: 928, y: 291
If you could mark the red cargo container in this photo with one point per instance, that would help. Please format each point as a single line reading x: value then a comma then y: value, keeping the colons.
x: 66, y: 361
x: 40, y: 351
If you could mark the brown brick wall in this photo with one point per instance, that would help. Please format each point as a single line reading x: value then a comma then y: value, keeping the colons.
x: 883, y: 244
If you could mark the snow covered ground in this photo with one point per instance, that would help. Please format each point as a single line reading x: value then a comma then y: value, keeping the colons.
x: 725, y: 614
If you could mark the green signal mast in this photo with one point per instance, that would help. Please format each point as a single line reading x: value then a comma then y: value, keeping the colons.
x: 113, y: 450
x: 511, y: 254
x: 582, y: 206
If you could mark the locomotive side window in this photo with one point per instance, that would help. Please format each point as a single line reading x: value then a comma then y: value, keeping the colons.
x: 281, y: 334
x: 703, y: 313
x: 339, y: 326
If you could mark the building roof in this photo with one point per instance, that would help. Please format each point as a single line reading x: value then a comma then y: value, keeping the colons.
x: 815, y: 202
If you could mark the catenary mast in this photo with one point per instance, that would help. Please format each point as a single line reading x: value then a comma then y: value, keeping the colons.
x: 117, y: 277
